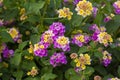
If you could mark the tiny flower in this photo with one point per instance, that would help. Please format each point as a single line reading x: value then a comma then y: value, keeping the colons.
x: 40, y: 49
x: 14, y: 34
x: 97, y: 78
x: 106, y: 58
x: 80, y: 39
x: 107, y: 19
x: 116, y: 6
x: 73, y: 56
x: 105, y: 38
x: 82, y: 61
x: 31, y: 48
x: 65, y: 13
x: 6, y: 52
x: 48, y: 37
x: 58, y: 59
x: 22, y: 14
x: 1, y: 23
x: 84, y: 8
x: 62, y: 42
x: 1, y: 3
x: 33, y: 72
x: 95, y: 9
x: 76, y: 2
x: 57, y: 28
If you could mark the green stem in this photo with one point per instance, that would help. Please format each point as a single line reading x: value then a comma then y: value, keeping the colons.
x: 44, y: 12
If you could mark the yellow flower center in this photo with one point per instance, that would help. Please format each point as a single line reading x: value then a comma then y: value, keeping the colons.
x: 62, y: 40
x: 84, y: 8
x: 13, y: 32
x: 80, y: 38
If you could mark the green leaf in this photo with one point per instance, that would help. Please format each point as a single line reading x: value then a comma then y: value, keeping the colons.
x: 98, y: 54
x: 83, y: 49
x: 32, y: 78
x: 101, y: 70
x: 16, y: 59
x: 35, y: 7
x: 118, y: 71
x: 88, y: 71
x: 98, y: 18
x: 34, y: 39
x: 113, y: 25
x: 48, y: 76
x: 22, y: 45
x: 18, y: 75
x: 108, y: 76
x: 45, y: 61
x: 27, y: 65
x: 76, y: 20
x: 5, y: 36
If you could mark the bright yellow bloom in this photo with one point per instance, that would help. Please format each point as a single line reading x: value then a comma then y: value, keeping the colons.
x: 62, y: 40
x: 65, y: 13
x: 22, y: 14
x: 105, y: 38
x: 82, y: 61
x: 38, y: 46
x: 84, y: 8
x: 33, y: 72
x: 80, y: 38
x: 13, y: 32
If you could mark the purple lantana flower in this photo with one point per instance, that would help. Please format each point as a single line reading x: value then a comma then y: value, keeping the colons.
x: 57, y: 28
x: 58, y: 59
x: 40, y: 49
x: 62, y: 42
x: 76, y: 2
x: 116, y: 6
x: 106, y: 58
x: 80, y: 39
x: 7, y: 53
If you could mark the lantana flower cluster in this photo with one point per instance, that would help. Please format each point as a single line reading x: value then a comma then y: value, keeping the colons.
x: 116, y: 5
x: 58, y: 59
x: 80, y: 39
x: 100, y: 35
x: 81, y: 61
x: 14, y: 33
x: 54, y: 35
x: 107, y: 58
x: 5, y: 51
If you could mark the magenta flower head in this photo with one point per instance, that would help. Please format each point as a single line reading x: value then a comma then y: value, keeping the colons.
x: 95, y: 9
x: 58, y: 59
x: 62, y: 42
x: 116, y: 6
x: 57, y: 28
x: 6, y: 52
x: 94, y: 27
x: 14, y: 34
x: 80, y: 39
x: 1, y: 23
x: 76, y: 1
x: 48, y: 37
x: 106, y: 58
x: 40, y: 49
x: 107, y: 19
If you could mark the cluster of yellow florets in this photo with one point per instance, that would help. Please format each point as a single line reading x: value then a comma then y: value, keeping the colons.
x: 81, y: 61
x: 33, y: 72
x: 65, y: 13
x: 104, y: 38
x: 23, y: 16
x: 84, y: 8
x: 63, y: 40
